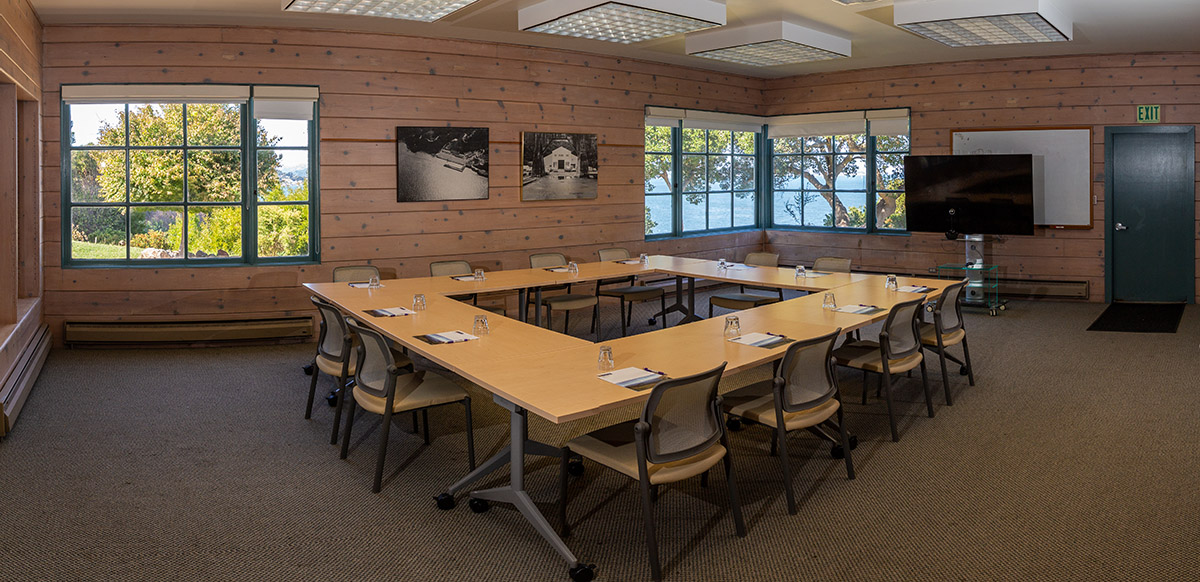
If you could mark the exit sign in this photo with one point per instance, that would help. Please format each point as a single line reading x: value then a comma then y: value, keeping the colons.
x: 1149, y: 113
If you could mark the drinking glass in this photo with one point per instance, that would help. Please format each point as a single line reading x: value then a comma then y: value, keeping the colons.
x: 373, y: 282
x: 573, y: 267
x: 479, y: 275
x: 605, y: 362
x: 481, y: 326
x: 733, y: 327
x: 418, y: 302
x: 890, y: 283
x: 830, y: 302
x: 644, y: 258
x: 800, y: 271
x: 721, y: 264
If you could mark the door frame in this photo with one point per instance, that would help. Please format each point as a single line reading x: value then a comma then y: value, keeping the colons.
x: 1109, y: 134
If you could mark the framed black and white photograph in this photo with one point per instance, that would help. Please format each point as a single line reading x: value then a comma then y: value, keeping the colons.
x: 558, y: 166
x: 441, y: 163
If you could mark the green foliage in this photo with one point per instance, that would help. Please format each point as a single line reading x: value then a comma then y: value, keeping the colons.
x: 650, y: 223
x: 283, y: 229
x: 151, y: 239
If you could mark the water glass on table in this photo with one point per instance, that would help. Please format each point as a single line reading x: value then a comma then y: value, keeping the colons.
x: 373, y: 282
x: 733, y: 327
x: 830, y: 301
x: 722, y: 265
x: 605, y: 363
x: 418, y: 302
x: 479, y: 275
x: 573, y: 267
x: 801, y: 272
x: 890, y: 283
x: 643, y: 258
x: 480, y: 328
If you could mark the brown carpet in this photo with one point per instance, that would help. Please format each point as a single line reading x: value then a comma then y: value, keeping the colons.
x: 1074, y: 458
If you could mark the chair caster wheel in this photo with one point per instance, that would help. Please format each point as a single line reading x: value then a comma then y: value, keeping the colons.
x: 962, y: 370
x: 837, y: 452
x: 332, y: 399
x: 575, y: 468
x: 853, y: 441
x: 478, y: 505
x: 733, y: 424
x: 582, y: 572
x: 308, y: 370
x: 445, y: 501
x: 651, y: 321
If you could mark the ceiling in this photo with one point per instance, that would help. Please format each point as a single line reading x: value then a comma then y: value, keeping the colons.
x: 1101, y: 26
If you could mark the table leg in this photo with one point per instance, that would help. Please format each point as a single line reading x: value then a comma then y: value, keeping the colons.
x: 502, y: 457
x: 688, y: 309
x: 523, y: 308
x: 514, y: 493
x: 537, y: 307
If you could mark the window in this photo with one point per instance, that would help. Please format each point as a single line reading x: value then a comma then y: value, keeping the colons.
x: 700, y: 180
x: 844, y: 181
x: 162, y: 178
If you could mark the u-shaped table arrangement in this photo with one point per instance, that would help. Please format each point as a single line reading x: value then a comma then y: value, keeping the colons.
x: 525, y: 367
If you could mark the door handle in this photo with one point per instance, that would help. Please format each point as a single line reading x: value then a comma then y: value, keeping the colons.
x: 1120, y: 226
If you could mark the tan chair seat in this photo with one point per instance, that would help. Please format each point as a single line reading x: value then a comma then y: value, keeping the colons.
x: 741, y: 300
x: 433, y: 390
x: 757, y: 402
x: 332, y: 367
x: 865, y: 355
x: 614, y: 447
x: 929, y: 336
x: 569, y: 301
x: 633, y: 293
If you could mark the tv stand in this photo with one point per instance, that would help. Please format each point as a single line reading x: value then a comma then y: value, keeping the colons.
x: 983, y: 287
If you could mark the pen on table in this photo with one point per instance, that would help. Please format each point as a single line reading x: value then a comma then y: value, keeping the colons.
x: 654, y: 371
x: 775, y: 334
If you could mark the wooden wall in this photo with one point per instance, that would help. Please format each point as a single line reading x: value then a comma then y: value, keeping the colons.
x: 371, y: 83
x: 1089, y: 91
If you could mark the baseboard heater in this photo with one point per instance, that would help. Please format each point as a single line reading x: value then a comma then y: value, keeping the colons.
x: 129, y: 333
x: 1055, y: 289
x: 14, y: 392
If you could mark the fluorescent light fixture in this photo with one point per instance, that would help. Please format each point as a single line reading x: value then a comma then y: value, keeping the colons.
x: 423, y: 10
x: 767, y: 44
x: 627, y: 21
x: 984, y: 22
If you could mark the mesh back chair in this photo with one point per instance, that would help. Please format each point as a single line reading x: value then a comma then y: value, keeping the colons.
x: 458, y: 268
x: 897, y: 351
x: 803, y: 395
x: 354, y: 273
x: 679, y: 435
x: 565, y: 302
x: 628, y: 292
x: 947, y: 330
x: 381, y: 388
x: 831, y: 265
x: 743, y: 300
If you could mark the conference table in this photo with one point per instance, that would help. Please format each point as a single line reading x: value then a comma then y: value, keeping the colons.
x: 528, y: 368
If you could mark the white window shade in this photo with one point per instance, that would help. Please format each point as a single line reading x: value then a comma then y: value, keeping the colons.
x: 817, y: 124
x: 664, y: 116
x: 889, y: 121
x: 279, y: 102
x: 704, y: 119
x: 83, y: 94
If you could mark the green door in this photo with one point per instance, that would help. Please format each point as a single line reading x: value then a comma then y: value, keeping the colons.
x: 1151, y: 190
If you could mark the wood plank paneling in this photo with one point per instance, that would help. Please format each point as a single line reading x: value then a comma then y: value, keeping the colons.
x: 29, y: 203
x: 1094, y: 91
x: 370, y: 84
x: 9, y: 195
x: 21, y: 47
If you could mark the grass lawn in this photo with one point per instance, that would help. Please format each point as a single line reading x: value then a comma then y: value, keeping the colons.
x: 87, y: 250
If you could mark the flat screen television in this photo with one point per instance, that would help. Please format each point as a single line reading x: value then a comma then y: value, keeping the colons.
x: 970, y: 194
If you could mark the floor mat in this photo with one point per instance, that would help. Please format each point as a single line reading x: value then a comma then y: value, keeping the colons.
x: 1140, y: 318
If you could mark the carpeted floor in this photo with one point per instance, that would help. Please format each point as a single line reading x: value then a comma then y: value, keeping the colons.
x: 1074, y: 458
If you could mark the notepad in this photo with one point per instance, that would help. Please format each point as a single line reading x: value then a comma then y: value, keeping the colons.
x: 463, y: 277
x: 860, y: 309
x: 362, y: 285
x: 738, y: 267
x: 632, y: 377
x: 915, y: 289
x: 814, y: 275
x: 389, y: 312
x: 448, y: 337
x: 629, y: 261
x: 761, y: 340
x: 559, y: 270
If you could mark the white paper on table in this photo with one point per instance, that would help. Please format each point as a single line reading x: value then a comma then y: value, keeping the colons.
x: 738, y: 267
x: 627, y: 377
x: 363, y: 285
x: 914, y: 289
x: 464, y: 278
x: 390, y: 312
x: 451, y: 337
x: 860, y: 309
x: 758, y: 340
x: 631, y: 262
x: 559, y: 270
x: 813, y: 275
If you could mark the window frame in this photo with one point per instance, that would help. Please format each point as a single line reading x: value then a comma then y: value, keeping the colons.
x: 249, y: 203
x: 677, y: 192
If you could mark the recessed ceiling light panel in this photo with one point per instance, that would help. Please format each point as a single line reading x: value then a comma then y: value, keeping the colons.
x: 628, y: 21
x: 767, y: 44
x: 959, y: 23
x: 423, y: 10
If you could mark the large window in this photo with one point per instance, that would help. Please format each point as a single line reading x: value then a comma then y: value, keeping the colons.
x: 700, y: 180
x: 840, y: 182
x: 189, y: 183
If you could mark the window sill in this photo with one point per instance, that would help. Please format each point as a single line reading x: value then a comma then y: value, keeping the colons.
x: 841, y: 231
x: 653, y: 238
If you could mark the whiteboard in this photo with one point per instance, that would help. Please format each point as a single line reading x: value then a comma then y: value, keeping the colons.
x: 1063, y: 160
